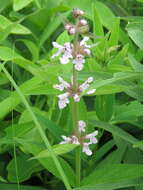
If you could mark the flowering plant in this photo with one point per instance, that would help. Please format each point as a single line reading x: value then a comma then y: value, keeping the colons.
x: 75, y: 53
x: 71, y: 104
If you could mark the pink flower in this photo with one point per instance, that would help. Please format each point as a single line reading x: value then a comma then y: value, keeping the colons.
x: 65, y: 50
x: 86, y: 85
x: 81, y: 126
x: 86, y: 149
x: 76, y: 97
x: 92, y: 137
x: 85, y: 145
x: 92, y: 91
x: 75, y: 140
x: 63, y: 100
x: 83, y: 42
x: 71, y: 140
x: 79, y: 61
x: 66, y: 140
x: 63, y: 84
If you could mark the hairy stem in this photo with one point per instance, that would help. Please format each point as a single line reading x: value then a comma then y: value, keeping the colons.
x: 75, y: 118
x: 78, y: 165
x: 75, y: 127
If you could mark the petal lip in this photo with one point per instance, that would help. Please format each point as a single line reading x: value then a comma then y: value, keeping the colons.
x: 92, y: 91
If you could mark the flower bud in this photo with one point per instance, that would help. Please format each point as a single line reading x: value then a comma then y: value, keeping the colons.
x: 83, y: 29
x: 87, y: 51
x: 83, y: 22
x: 72, y: 30
x: 77, y: 12
x: 68, y: 26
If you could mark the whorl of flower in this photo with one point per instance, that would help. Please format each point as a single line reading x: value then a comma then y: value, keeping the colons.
x: 65, y: 50
x: 80, y: 27
x: 82, y: 140
x: 75, y: 53
x: 71, y: 92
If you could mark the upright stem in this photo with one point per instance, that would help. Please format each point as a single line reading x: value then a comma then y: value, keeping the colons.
x: 75, y: 120
x: 75, y: 127
x: 78, y: 166
x: 75, y: 105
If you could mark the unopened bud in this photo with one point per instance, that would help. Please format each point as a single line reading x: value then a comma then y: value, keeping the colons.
x: 77, y: 12
x: 72, y: 30
x: 68, y: 26
x: 87, y: 51
x: 83, y: 29
x: 83, y: 22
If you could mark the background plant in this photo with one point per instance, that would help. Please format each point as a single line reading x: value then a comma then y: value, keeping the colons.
x: 27, y: 30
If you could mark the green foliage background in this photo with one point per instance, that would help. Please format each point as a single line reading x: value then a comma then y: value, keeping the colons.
x: 29, y: 114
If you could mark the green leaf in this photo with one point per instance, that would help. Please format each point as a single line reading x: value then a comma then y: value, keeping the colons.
x: 105, y: 14
x: 113, y: 185
x: 3, y: 180
x: 114, y: 173
x: 39, y: 128
x: 128, y: 111
x: 53, y: 23
x: 25, y: 170
x: 140, y: 187
x: 22, y: 187
x: 138, y: 144
x: 115, y: 157
x: 138, y: 67
x: 55, y: 130
x: 114, y: 37
x: 32, y: 48
x: 136, y: 35
x: 20, y: 4
x: 103, y: 150
x: 13, y: 100
x: 104, y: 106
x: 6, y: 31
x: 116, y: 131
x: 58, y: 150
x: 3, y: 79
x: 45, y: 72
x: 119, y: 82
x: 98, y: 29
x: 7, y: 54
x: 20, y: 130
x: 18, y: 29
x: 136, y: 93
x: 120, y: 57
x: 48, y: 163
x: 4, y: 4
